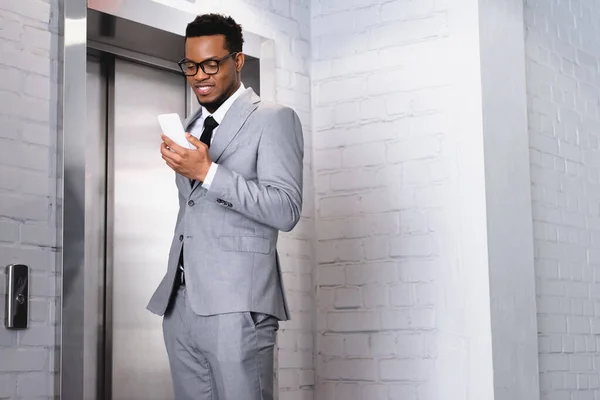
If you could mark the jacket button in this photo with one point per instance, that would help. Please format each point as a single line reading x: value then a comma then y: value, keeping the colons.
x: 180, y: 238
x: 191, y: 203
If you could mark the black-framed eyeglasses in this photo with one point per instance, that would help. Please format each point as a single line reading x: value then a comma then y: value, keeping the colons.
x: 209, y: 67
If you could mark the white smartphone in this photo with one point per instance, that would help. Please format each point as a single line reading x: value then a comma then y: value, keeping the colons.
x: 173, y: 128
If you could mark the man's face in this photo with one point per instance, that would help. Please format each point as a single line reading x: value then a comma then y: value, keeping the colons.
x: 213, y: 90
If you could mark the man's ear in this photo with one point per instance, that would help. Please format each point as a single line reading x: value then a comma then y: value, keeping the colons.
x: 240, y: 58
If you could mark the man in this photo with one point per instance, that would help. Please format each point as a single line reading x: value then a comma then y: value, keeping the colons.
x: 222, y: 296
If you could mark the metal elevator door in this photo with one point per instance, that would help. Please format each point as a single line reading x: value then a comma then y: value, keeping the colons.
x: 139, y: 218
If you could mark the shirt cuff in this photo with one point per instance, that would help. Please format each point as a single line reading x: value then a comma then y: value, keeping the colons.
x: 210, y: 176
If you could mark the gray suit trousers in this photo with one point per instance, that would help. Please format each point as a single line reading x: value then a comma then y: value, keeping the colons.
x: 219, y: 357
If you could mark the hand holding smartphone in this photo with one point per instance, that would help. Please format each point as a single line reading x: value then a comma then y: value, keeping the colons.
x: 172, y: 127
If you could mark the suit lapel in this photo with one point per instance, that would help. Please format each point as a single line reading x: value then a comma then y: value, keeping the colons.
x: 232, y: 122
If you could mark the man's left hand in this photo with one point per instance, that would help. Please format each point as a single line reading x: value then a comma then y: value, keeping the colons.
x: 193, y: 164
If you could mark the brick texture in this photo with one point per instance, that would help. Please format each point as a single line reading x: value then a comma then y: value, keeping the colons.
x: 28, y: 226
x: 562, y: 86
x: 365, y: 78
x: 378, y: 118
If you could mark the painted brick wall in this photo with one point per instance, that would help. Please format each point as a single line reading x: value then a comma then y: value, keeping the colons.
x: 28, y: 131
x: 563, y: 54
x: 381, y: 169
x: 382, y: 173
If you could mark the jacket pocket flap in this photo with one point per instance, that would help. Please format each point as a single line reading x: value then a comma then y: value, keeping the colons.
x: 252, y: 244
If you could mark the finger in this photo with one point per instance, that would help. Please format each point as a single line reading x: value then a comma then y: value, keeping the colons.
x: 169, y: 155
x: 166, y: 139
x: 165, y: 151
x: 199, y: 145
x: 169, y: 159
x: 171, y: 165
x: 172, y: 145
x: 194, y: 141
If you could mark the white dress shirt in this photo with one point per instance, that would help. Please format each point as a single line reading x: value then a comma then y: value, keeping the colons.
x: 218, y: 115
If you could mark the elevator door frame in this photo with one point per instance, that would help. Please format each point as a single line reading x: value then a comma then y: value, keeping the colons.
x: 74, y: 180
x: 109, y: 56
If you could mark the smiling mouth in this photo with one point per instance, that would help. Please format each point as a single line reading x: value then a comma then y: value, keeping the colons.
x: 203, y: 90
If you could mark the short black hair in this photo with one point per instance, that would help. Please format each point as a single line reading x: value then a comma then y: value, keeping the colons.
x: 217, y: 24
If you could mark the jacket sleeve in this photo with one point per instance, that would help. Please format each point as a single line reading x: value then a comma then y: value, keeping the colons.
x: 275, y: 198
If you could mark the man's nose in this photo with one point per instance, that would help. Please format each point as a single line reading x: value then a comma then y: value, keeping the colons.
x: 200, y: 75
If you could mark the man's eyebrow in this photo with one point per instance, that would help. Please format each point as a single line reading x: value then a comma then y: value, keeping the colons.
x: 213, y: 58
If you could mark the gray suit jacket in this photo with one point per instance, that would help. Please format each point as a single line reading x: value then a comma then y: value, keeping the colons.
x: 229, y: 233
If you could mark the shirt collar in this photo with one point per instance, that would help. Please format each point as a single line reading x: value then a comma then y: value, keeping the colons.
x: 222, y: 110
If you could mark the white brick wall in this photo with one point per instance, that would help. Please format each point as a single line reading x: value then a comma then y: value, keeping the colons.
x: 379, y: 117
x: 563, y: 51
x: 28, y: 121
x: 380, y: 165
x: 405, y: 256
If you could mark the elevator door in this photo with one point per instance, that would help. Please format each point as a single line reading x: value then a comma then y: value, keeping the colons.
x: 145, y: 204
x: 140, y: 214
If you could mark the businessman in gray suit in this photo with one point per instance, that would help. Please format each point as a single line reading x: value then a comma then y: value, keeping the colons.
x: 222, y: 296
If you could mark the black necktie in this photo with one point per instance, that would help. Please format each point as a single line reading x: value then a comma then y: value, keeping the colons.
x: 209, y: 126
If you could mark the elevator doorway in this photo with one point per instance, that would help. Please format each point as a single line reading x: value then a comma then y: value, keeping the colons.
x: 131, y: 207
x: 141, y: 207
